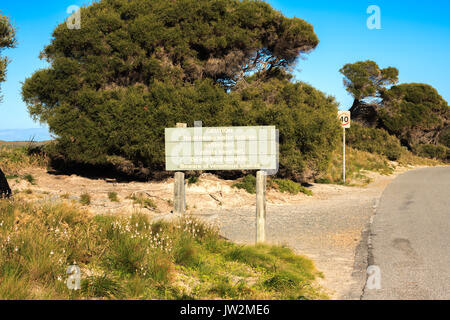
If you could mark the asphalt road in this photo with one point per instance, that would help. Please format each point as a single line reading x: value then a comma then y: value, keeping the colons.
x: 410, y: 238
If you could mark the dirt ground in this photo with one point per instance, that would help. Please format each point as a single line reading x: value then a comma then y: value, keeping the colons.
x: 328, y: 227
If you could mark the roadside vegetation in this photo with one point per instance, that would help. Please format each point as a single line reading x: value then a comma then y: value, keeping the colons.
x: 241, y: 77
x: 85, y: 199
x: 360, y: 164
x: 374, y: 140
x: 14, y: 159
x: 143, y: 202
x: 113, y: 197
x: 414, y: 114
x: 131, y: 258
x: 248, y: 183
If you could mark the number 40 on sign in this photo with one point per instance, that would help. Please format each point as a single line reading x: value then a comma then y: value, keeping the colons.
x: 345, y: 119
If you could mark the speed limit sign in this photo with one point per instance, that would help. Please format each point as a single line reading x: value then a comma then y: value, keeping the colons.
x: 345, y: 118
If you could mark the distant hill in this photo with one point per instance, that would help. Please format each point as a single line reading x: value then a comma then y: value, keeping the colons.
x: 33, y: 134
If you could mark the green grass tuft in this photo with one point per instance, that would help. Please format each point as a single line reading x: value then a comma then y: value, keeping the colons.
x: 289, y: 186
x: 113, y: 197
x: 248, y: 183
x: 193, y: 180
x: 131, y: 258
x: 144, y: 202
x: 29, y: 178
x: 85, y: 199
x: 102, y: 287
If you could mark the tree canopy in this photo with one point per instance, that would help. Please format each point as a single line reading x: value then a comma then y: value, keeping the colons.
x: 415, y: 113
x: 365, y: 79
x: 7, y: 40
x: 137, y: 66
x: 125, y: 43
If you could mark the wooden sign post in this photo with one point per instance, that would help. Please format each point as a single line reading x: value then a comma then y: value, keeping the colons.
x: 223, y: 148
x: 261, y: 181
x: 179, y: 198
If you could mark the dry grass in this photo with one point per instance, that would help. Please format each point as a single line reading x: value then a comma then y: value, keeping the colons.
x: 409, y: 159
x: 131, y: 258
x: 14, y: 160
x: 359, y: 162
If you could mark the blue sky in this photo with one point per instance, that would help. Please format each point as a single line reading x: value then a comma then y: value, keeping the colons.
x: 415, y: 38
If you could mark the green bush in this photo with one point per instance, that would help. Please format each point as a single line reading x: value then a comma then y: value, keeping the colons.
x: 306, y: 191
x: 284, y: 185
x: 431, y: 151
x: 287, y: 186
x: 445, y: 137
x: 137, y: 67
x: 411, y: 110
x: 374, y: 141
x: 113, y: 196
x: 248, y: 183
x: 85, y: 199
x: 193, y: 180
x: 305, y: 117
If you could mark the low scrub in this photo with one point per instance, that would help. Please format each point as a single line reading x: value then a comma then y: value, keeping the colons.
x: 131, y: 258
x: 374, y: 141
x: 144, y: 202
x: 437, y: 152
x: 85, y: 199
x: 112, y: 196
x: 284, y: 185
x: 248, y: 183
x: 14, y: 159
x: 357, y: 164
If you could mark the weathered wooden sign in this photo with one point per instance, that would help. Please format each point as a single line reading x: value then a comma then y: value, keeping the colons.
x: 221, y: 148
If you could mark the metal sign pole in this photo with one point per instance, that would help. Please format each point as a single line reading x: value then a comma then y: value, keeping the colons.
x: 345, y: 119
x: 343, y: 167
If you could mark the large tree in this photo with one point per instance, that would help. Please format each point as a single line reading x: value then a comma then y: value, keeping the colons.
x: 415, y: 113
x: 365, y: 80
x: 137, y: 66
x: 7, y: 40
